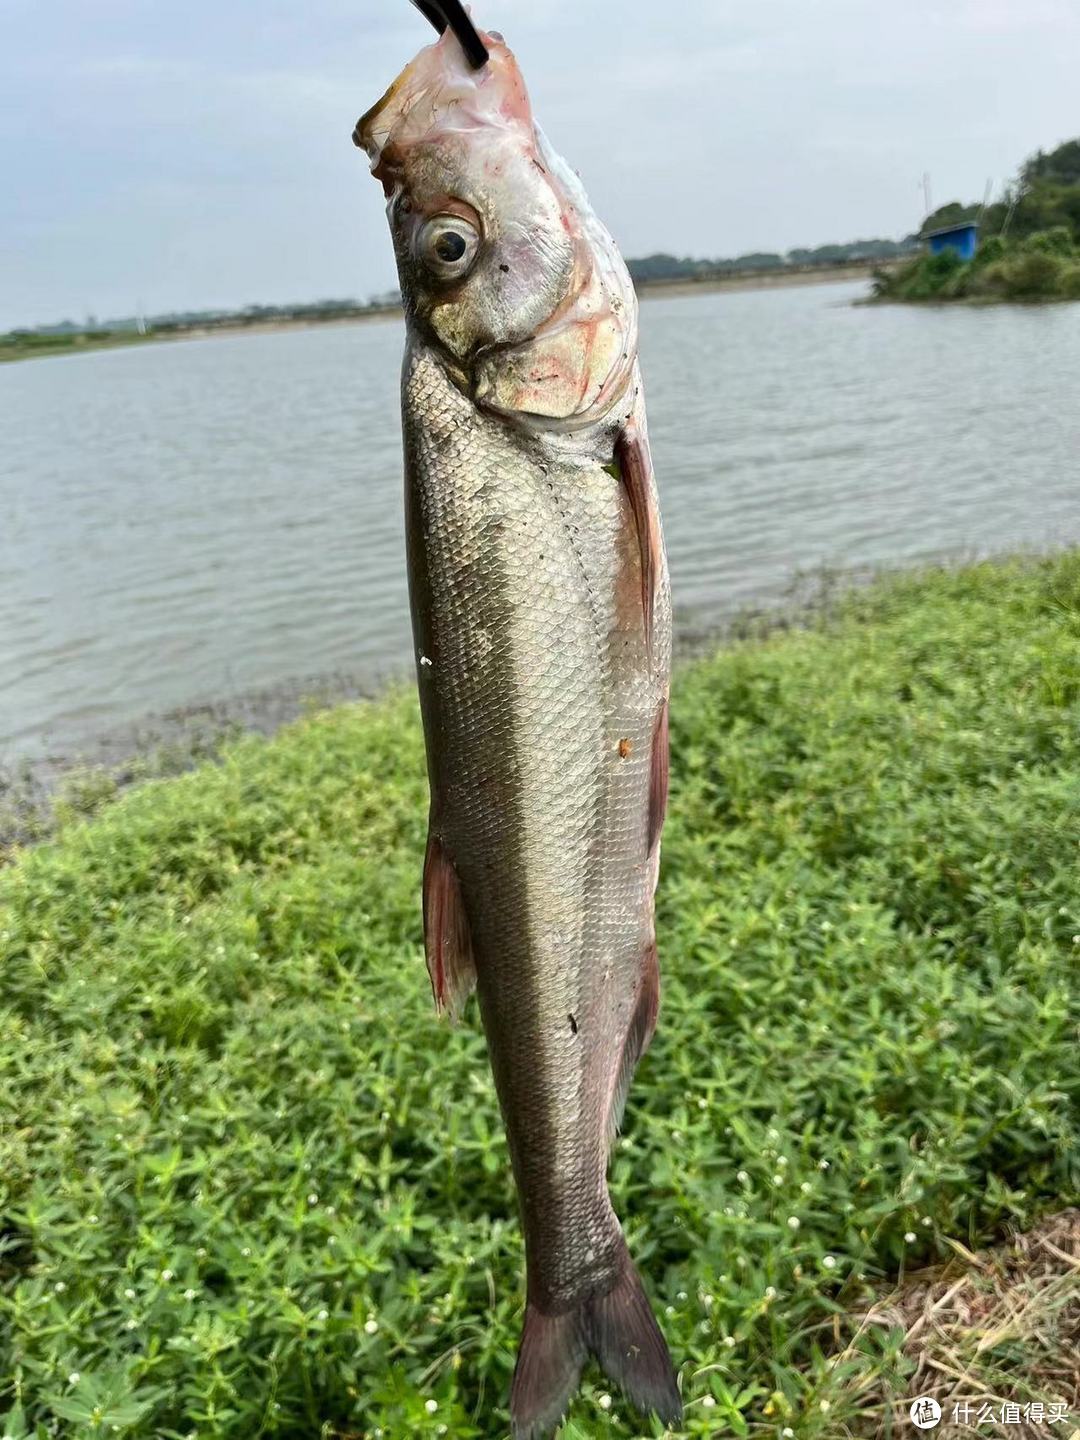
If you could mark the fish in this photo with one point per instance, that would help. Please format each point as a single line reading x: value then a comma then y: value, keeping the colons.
x: 541, y: 615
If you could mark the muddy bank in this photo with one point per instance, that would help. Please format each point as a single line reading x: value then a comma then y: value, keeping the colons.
x: 41, y: 791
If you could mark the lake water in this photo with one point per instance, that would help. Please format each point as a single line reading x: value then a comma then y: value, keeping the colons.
x: 198, y: 520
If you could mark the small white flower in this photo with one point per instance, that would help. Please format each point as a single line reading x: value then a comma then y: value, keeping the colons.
x: 166, y: 1275
x: 770, y: 1292
x: 74, y: 1378
x: 92, y: 1219
x: 246, y: 1251
x: 59, y: 1287
x: 781, y: 1161
x: 774, y: 1134
x: 201, y: 1252
x: 778, y: 1179
x: 313, y: 1199
x: 604, y: 1402
x: 324, y: 1314
x: 829, y: 1261
x: 431, y: 1406
x: 743, y: 1178
x: 926, y: 1221
x: 728, y: 1210
x: 129, y: 1294
x: 708, y: 1402
x: 823, y: 1164
x: 909, y: 1237
x: 825, y: 1407
x: 729, y: 1342
x: 330, y: 1210
x: 669, y: 1310
x: 190, y: 1294
x: 708, y: 1301
x: 681, y: 1295
x: 130, y: 1324
x: 703, y: 1104
x: 806, y: 1187
x: 793, y: 1222
x: 787, y: 1433
x: 371, y: 1327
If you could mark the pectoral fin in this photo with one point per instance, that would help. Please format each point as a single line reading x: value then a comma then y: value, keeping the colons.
x: 635, y: 471
x: 446, y: 932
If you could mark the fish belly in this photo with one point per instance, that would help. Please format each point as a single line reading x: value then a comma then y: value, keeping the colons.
x: 540, y: 701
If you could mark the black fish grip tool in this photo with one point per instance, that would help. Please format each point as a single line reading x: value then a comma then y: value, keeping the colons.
x: 451, y: 13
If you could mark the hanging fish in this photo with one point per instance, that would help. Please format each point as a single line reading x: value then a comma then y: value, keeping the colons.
x: 542, y: 622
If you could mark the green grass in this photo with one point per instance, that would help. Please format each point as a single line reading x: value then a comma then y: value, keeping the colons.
x: 249, y: 1186
x: 1039, y: 267
x: 29, y: 345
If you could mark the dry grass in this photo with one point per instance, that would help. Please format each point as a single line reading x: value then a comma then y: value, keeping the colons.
x: 998, y: 1327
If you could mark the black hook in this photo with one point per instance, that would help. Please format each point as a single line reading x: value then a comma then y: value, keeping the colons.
x: 443, y: 13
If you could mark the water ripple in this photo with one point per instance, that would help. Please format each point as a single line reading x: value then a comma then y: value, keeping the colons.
x: 184, y: 522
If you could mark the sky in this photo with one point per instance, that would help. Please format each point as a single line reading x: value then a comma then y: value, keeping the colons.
x: 197, y: 153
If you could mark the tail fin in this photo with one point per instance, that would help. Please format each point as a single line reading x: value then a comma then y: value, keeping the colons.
x: 620, y: 1330
x: 551, y: 1357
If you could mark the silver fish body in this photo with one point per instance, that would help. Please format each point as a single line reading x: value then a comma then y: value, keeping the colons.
x: 542, y: 623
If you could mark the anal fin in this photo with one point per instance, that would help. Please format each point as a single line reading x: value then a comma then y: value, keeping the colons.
x: 447, y: 941
x: 638, y: 1035
x: 658, y: 777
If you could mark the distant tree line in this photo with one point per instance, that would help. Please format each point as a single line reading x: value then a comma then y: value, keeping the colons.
x: 673, y: 267
x: 1045, y: 194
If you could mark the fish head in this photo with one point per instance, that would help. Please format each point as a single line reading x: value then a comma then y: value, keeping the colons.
x: 503, y: 265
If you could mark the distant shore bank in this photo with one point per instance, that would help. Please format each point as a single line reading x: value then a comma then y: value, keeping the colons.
x: 81, y: 344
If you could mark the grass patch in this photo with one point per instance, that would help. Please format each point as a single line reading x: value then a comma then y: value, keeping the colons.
x: 30, y: 344
x: 1041, y: 266
x: 997, y: 1331
x: 250, y: 1187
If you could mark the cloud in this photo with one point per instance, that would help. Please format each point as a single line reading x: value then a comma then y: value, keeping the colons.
x: 200, y: 154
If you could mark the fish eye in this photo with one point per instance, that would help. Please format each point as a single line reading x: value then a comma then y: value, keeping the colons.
x: 447, y: 245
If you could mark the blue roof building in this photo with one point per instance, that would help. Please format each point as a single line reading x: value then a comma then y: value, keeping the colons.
x: 962, y: 237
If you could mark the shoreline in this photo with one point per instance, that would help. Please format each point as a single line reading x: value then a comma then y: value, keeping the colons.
x: 74, y: 777
x: 648, y: 290
x: 38, y: 792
